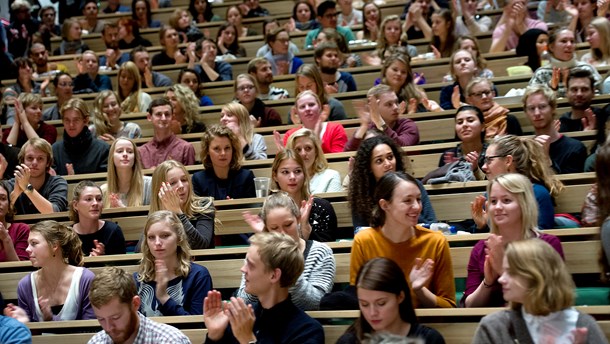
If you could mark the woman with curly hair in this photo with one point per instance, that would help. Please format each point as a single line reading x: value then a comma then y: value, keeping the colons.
x: 130, y: 95
x: 107, y: 124
x: 376, y: 157
x: 186, y: 110
x: 172, y: 190
x: 59, y: 289
x: 126, y: 185
x: 236, y: 117
x: 168, y: 282
x: 223, y: 176
x: 514, y: 154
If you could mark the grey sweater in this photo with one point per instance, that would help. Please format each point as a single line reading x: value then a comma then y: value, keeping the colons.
x: 508, y: 326
x: 315, y: 281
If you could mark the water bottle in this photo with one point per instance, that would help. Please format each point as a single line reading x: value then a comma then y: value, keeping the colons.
x: 545, y: 58
x: 442, y: 227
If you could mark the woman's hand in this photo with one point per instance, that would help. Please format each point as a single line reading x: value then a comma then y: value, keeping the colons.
x: 255, y: 122
x: 115, y: 201
x: 45, y: 308
x: 477, y: 210
x: 179, y: 57
x: 277, y: 138
x: 294, y: 115
x: 494, y: 248
x: 161, y: 278
x: 431, y: 105
x: 169, y: 198
x: 489, y: 273
x: 99, y: 250
x: 282, y: 67
x: 437, y: 54
x: 70, y: 169
x: 473, y: 159
x: 455, y: 97
x: 421, y: 273
x: 371, y: 25
x: 254, y: 221
x: 306, y: 206
x: 17, y: 313
x: 107, y: 138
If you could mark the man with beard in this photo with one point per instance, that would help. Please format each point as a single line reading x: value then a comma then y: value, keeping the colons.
x: 139, y: 55
x: 260, y: 69
x: 328, y: 60
x: 113, y: 57
x: 40, y: 56
x: 115, y: 302
x: 567, y: 154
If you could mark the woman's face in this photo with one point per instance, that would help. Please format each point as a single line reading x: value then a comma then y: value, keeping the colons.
x: 593, y: 37
x: 190, y: 80
x: 126, y: 82
x: 184, y: 21
x: 233, y: 16
x: 89, y: 205
x: 586, y: 8
x: 111, y: 108
x: 469, y: 45
x: 221, y: 152
x: 382, y: 160
x: 309, y: 110
x: 141, y: 10
x: 162, y: 240
x: 392, y: 32
x: 494, y: 165
x: 124, y: 155
x: 4, y: 204
x: 282, y: 221
x: 75, y: 32
x: 171, y: 96
x: 396, y: 75
x: 200, y: 6
x: 280, y: 46
x: 306, y: 149
x: 303, y: 13
x: 306, y: 84
x: 65, y: 87
x: 246, y: 91
x: 541, y: 43
x: 122, y: 32
x: 170, y: 39
x: 405, y: 205
x: 514, y: 287
x: 25, y: 72
x: 290, y: 177
x: 440, y: 26
x: 180, y: 182
x: 504, y: 207
x: 371, y: 13
x: 34, y: 113
x: 228, y: 119
x: 563, y: 47
x: 463, y: 64
x: 91, y: 64
x: 468, y: 127
x: 38, y: 249
x: 379, y: 308
x: 229, y: 35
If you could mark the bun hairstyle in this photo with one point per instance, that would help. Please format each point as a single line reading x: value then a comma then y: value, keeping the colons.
x: 57, y: 234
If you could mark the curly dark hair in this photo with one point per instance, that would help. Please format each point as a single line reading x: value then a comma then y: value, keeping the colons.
x: 362, y: 181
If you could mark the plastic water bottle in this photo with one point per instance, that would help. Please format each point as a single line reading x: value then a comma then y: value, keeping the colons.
x: 442, y: 227
x: 545, y: 58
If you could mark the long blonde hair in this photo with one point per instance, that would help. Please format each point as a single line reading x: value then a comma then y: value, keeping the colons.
x: 131, y: 103
x: 243, y: 116
x: 146, y: 271
x: 522, y: 189
x: 320, y: 163
x: 136, y: 190
x: 100, y: 119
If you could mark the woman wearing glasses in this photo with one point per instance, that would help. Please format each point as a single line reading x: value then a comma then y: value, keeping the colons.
x: 246, y: 93
x: 281, y: 58
x: 523, y: 155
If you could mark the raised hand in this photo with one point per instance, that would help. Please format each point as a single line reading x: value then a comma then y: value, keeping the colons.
x: 115, y: 201
x: 282, y: 67
x: 455, y: 97
x: 162, y: 275
x: 421, y: 273
x: 478, y: 212
x: 255, y: 122
x: 169, y: 198
x: 70, y: 169
x: 374, y: 112
x: 437, y: 54
x: 241, y: 317
x: 3, y: 165
x: 214, y: 316
x: 254, y: 221
x: 179, y: 57
x: 473, y: 159
x: 22, y: 176
x: 494, y: 248
x: 589, y: 122
x: 555, y: 77
x: 99, y: 249
x: 277, y: 138
x: 545, y: 142
x: 306, y: 206
x: 148, y: 77
x: 412, y: 107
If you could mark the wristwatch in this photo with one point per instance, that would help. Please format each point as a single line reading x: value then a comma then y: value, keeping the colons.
x: 29, y: 188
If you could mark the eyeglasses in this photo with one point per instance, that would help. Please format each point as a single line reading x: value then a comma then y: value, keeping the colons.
x: 487, y: 93
x: 245, y: 88
x: 541, y: 107
x: 488, y: 159
x: 330, y: 15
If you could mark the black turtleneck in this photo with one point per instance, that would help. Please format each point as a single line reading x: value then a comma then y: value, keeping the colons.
x: 85, y: 153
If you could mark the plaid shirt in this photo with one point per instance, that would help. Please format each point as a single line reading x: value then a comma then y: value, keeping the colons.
x: 149, y: 332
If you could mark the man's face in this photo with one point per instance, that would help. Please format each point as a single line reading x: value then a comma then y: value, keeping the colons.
x: 74, y: 123
x: 111, y: 37
x: 142, y: 60
x: 209, y: 48
x: 161, y: 116
x: 39, y: 55
x: 539, y: 111
x: 90, y: 10
x: 256, y: 274
x: 580, y: 94
x: 329, y: 62
x: 388, y: 106
x: 264, y: 74
x: 119, y: 320
x: 328, y: 19
x: 36, y: 160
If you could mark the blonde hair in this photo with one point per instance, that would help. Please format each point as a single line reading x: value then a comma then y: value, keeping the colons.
x: 320, y: 163
x: 28, y: 99
x: 218, y: 130
x: 100, y: 119
x: 146, y: 271
x: 75, y: 104
x: 188, y: 101
x: 248, y: 77
x: 131, y: 103
x: 288, y: 154
x: 540, y: 89
x: 408, y: 90
x: 175, y: 17
x: 243, y: 116
x: 39, y: 144
x: 193, y: 205
x: 602, y: 25
x: 550, y: 287
x: 382, y: 42
x: 64, y: 237
x: 136, y: 189
x: 522, y: 189
x: 280, y: 251
x: 76, y: 193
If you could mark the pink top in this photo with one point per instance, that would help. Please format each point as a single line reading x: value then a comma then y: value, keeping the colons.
x: 333, y: 137
x: 174, y: 148
x: 513, y: 40
x: 19, y: 233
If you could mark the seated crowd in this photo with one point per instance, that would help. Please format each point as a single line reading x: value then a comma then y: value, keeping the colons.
x: 396, y: 263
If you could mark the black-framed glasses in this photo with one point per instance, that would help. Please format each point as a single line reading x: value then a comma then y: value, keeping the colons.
x: 488, y: 159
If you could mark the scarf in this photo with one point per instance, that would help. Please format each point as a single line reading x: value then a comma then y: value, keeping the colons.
x: 74, y: 47
x: 495, y: 123
x: 563, y: 64
x: 79, y: 144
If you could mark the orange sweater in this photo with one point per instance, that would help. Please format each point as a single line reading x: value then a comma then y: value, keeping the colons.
x: 370, y: 243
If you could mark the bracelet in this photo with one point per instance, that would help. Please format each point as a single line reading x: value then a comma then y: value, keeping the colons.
x: 487, y: 285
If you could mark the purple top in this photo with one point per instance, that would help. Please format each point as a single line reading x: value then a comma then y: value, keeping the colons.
x: 174, y: 148
x: 77, y: 301
x: 19, y: 233
x: 404, y: 133
x: 476, y: 271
